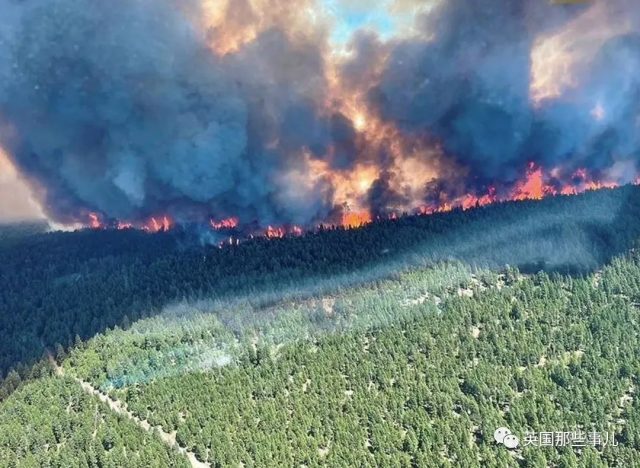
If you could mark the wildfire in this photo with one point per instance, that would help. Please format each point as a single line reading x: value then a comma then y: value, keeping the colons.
x: 94, y: 221
x: 386, y: 158
x: 533, y: 186
x: 585, y: 183
x: 152, y: 225
x: 356, y: 219
x: 158, y: 224
x: 275, y: 232
x: 279, y: 232
x: 429, y: 210
x: 296, y: 231
x: 473, y: 201
x: 225, y: 224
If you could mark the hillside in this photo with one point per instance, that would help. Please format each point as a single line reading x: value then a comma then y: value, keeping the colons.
x: 58, y: 288
x: 406, y: 343
x: 414, y: 371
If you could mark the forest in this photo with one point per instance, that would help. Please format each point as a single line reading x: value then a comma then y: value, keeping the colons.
x: 414, y: 370
x: 53, y: 423
x: 59, y: 288
x: 405, y: 343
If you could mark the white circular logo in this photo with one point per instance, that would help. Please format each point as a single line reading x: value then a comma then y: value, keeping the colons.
x: 500, y: 434
x: 511, y: 441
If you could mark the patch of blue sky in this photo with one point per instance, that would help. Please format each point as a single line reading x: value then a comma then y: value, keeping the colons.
x: 349, y: 18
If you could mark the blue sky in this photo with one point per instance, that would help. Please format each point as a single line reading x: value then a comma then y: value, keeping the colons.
x: 352, y: 15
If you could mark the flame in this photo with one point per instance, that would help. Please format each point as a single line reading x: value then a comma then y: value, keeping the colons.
x: 225, y: 224
x: 350, y: 186
x: 535, y: 185
x: 275, y: 232
x: 532, y: 187
x: 472, y: 201
x: 279, y: 232
x: 94, y: 221
x: 384, y: 153
x: 158, y: 224
x: 429, y: 210
x: 154, y: 224
x: 405, y: 162
x: 356, y: 219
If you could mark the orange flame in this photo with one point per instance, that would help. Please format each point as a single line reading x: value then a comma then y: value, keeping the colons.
x: 94, y: 221
x: 533, y: 186
x: 279, y: 232
x: 355, y: 219
x: 158, y: 224
x: 229, y: 223
x: 472, y: 201
x: 275, y: 232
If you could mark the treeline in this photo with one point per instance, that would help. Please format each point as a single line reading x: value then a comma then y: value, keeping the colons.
x: 15, y: 232
x: 59, y: 288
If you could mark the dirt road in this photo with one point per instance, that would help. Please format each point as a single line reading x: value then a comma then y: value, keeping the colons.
x: 116, y: 406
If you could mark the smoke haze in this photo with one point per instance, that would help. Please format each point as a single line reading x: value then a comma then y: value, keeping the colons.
x: 295, y: 115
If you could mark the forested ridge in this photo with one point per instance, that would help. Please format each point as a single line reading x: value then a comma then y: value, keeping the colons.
x: 415, y: 370
x: 405, y: 343
x: 57, y: 288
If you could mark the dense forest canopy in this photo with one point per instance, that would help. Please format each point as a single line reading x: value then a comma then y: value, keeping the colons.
x: 404, y: 343
x: 415, y: 370
x: 57, y: 286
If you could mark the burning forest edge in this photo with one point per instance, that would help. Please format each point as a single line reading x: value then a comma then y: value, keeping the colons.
x: 256, y: 116
x: 301, y: 330
x: 535, y: 186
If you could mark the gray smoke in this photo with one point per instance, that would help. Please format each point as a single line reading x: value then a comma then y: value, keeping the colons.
x: 465, y: 79
x: 119, y: 107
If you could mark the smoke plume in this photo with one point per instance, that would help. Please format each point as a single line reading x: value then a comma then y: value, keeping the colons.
x: 252, y: 110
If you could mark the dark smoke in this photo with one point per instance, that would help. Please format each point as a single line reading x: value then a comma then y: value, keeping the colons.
x: 383, y: 199
x: 466, y: 80
x: 119, y: 107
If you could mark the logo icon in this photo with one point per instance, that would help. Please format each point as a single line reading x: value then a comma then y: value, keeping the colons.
x: 505, y: 437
